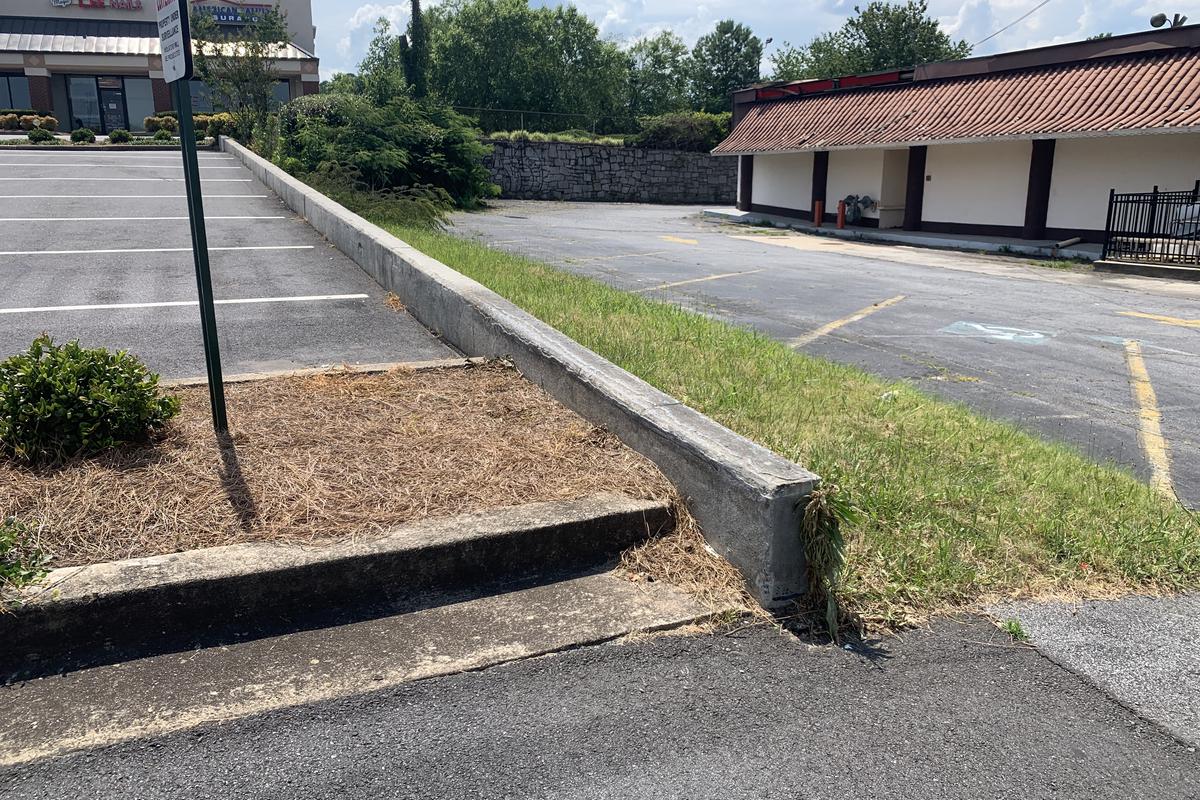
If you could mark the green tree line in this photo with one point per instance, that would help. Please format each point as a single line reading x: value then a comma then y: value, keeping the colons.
x: 549, y: 68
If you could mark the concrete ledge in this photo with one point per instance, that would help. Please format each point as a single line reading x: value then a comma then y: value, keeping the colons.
x: 134, y: 600
x: 340, y: 369
x: 1150, y: 270
x: 748, y: 500
x: 109, y: 148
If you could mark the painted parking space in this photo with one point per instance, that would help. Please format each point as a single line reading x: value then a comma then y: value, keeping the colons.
x: 96, y: 246
x: 1038, y: 347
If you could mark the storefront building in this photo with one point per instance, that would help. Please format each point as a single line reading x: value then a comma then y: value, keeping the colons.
x: 96, y: 64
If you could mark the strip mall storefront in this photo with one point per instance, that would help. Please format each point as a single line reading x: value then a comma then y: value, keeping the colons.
x: 95, y: 63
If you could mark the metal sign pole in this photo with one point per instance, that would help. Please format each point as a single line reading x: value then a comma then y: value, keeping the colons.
x: 208, y: 316
x: 176, y: 48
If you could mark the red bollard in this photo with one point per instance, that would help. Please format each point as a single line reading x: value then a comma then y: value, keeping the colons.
x: 818, y: 212
x: 841, y: 214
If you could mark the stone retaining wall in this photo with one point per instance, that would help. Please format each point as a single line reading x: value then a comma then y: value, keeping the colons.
x: 563, y: 171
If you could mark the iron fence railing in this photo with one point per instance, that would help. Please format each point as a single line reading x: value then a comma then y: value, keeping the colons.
x: 1154, y: 227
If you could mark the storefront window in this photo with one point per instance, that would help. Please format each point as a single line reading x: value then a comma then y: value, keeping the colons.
x: 202, y: 98
x: 282, y: 92
x: 14, y: 91
x: 139, y: 98
x: 85, y: 102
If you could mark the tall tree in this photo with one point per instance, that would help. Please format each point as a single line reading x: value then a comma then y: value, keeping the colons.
x: 416, y: 52
x: 503, y: 54
x: 723, y: 61
x: 239, y: 66
x: 881, y: 36
x: 382, y: 68
x: 658, y: 74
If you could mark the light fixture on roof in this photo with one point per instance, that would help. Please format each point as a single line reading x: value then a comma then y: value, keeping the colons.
x: 1158, y: 20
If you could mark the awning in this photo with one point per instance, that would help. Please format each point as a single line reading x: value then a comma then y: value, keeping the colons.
x: 1155, y: 92
x: 104, y: 37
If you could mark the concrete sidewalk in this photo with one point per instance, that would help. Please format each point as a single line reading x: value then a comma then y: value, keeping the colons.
x: 987, y: 244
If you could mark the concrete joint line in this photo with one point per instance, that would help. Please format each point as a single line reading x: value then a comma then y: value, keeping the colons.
x: 748, y: 500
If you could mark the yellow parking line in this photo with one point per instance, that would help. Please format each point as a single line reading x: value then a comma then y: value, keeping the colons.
x: 1183, y: 323
x: 696, y: 280
x: 830, y: 327
x: 678, y: 240
x: 1150, y: 435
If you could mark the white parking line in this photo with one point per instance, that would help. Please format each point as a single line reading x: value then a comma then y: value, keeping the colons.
x: 150, y: 250
x: 122, y: 219
x: 175, y: 180
x: 312, y: 298
x: 114, y: 166
x: 121, y: 196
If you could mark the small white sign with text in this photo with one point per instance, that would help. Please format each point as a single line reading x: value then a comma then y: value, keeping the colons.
x: 176, y: 42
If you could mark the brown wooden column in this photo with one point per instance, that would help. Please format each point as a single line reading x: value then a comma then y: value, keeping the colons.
x: 1037, y: 200
x: 162, y: 94
x: 745, y: 193
x: 820, y: 179
x: 914, y: 187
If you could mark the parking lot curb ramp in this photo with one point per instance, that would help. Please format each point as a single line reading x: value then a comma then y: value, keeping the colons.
x: 132, y: 602
x: 748, y: 500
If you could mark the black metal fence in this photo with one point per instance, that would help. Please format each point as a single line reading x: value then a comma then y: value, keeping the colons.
x: 1154, y: 227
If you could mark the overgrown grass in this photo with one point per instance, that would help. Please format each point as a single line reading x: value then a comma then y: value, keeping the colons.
x: 952, y: 508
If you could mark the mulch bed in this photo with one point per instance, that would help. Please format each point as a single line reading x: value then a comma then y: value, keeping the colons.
x: 318, y: 458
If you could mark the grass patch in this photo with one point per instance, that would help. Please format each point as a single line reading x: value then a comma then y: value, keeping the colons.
x: 1065, y: 264
x: 1014, y: 629
x: 952, y: 508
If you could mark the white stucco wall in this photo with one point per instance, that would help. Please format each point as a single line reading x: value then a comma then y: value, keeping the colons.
x: 1086, y: 169
x: 983, y: 184
x: 857, y: 172
x: 783, y: 180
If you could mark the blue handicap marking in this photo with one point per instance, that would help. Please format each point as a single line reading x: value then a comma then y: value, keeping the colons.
x: 1001, y: 332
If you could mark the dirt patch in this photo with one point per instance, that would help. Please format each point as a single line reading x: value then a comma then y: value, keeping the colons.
x: 323, y: 457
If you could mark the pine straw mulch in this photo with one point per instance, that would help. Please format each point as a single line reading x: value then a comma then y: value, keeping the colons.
x: 316, y: 458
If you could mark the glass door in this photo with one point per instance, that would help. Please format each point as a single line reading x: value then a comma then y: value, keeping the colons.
x: 112, y: 104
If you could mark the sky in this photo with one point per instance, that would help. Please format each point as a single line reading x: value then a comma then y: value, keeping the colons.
x: 344, y: 26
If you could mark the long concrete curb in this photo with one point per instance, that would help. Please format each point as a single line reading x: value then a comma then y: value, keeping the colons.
x: 339, y: 369
x: 125, y: 601
x: 748, y: 500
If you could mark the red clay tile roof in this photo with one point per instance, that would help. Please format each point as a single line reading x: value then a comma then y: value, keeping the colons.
x: 1148, y: 92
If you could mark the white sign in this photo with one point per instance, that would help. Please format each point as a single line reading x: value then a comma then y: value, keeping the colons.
x: 175, y: 39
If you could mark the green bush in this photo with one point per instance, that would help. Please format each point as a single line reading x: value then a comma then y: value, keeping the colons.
x: 21, y: 561
x: 405, y: 143
x: 119, y: 136
x: 161, y: 122
x: 689, y: 130
x: 40, y: 135
x: 60, y: 401
x: 519, y: 136
x: 162, y: 135
x: 83, y: 136
x: 220, y: 124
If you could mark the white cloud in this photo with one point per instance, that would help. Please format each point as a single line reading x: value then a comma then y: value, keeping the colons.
x: 366, y: 15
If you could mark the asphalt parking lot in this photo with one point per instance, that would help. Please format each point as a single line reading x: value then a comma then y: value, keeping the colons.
x: 95, y: 246
x: 1047, y: 349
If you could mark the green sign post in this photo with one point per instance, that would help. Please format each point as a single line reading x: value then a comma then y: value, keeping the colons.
x: 177, y: 70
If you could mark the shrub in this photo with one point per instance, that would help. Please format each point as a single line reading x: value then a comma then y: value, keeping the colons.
x: 220, y: 124
x: 9, y: 122
x: 162, y: 135
x: 40, y: 135
x: 538, y: 136
x: 200, y: 124
x: 21, y: 561
x: 519, y: 136
x: 48, y: 123
x: 690, y: 130
x: 405, y: 143
x: 29, y: 122
x: 60, y: 401
x: 119, y: 136
x: 150, y: 123
x: 83, y: 136
x: 160, y: 122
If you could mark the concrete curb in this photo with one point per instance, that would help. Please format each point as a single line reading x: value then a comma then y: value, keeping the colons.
x: 931, y: 242
x: 109, y: 148
x: 134, y: 600
x: 748, y: 500
x: 1149, y: 270
x: 340, y: 369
